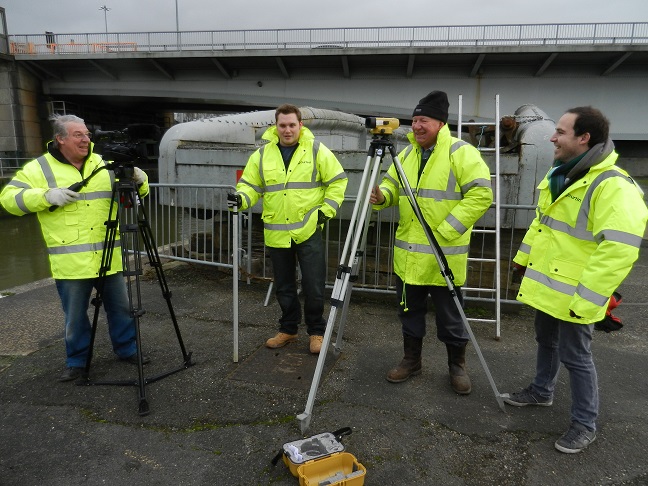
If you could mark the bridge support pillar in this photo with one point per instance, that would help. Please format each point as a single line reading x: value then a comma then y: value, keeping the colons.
x: 20, y: 124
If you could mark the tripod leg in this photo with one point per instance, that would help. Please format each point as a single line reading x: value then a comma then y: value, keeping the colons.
x: 155, y: 263
x: 106, y: 259
x: 132, y: 224
x: 355, y: 270
x: 341, y: 286
x: 445, y: 271
x: 129, y: 237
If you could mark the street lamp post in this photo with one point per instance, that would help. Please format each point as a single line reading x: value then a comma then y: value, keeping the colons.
x: 105, y: 9
x: 177, y: 21
x: 177, y: 25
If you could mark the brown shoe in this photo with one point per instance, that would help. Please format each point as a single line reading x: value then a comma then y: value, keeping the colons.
x: 280, y: 340
x: 410, y: 365
x: 316, y: 344
x: 459, y: 379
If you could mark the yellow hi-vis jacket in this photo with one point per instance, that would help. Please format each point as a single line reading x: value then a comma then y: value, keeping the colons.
x: 454, y: 191
x: 75, y: 233
x: 314, y: 181
x: 580, y: 248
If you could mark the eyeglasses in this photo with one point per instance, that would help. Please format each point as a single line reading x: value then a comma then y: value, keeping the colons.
x: 79, y: 135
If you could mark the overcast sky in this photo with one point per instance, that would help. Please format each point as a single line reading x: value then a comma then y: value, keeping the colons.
x: 81, y: 16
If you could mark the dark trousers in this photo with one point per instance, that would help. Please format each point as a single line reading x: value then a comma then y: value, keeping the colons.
x: 310, y: 255
x: 449, y: 323
x: 570, y: 344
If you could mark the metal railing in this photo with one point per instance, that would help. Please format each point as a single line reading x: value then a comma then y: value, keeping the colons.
x: 190, y: 223
x: 9, y: 165
x: 332, y: 38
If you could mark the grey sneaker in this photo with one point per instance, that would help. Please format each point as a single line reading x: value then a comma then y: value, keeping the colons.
x: 526, y: 397
x: 577, y: 438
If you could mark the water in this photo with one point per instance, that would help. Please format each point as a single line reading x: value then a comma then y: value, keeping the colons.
x: 23, y: 256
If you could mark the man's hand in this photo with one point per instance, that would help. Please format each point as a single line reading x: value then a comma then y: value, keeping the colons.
x: 321, y: 217
x: 517, y: 272
x: 139, y: 176
x: 60, y: 196
x: 377, y: 197
x: 234, y: 201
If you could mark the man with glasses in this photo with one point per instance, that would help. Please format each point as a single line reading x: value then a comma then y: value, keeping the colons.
x: 73, y: 226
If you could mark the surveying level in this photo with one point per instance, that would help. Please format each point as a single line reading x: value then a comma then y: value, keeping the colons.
x: 354, y: 250
x: 382, y: 126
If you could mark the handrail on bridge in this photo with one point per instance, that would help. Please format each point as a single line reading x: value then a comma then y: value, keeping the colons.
x: 619, y: 33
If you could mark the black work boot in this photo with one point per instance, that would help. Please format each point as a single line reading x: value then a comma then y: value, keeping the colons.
x: 410, y: 365
x: 459, y: 379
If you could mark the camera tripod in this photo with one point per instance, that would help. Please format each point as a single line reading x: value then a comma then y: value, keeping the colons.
x: 353, y: 253
x: 128, y: 216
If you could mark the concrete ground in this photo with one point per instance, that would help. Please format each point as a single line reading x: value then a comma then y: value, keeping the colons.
x: 220, y: 423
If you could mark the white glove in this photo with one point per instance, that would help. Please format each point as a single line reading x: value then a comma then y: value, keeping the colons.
x: 60, y: 196
x: 139, y: 176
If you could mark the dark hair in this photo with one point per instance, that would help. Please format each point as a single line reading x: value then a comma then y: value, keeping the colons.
x: 592, y: 121
x: 287, y: 109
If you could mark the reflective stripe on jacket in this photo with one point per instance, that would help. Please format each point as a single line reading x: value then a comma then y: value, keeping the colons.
x: 75, y: 233
x: 454, y: 191
x: 580, y: 248
x: 315, y: 180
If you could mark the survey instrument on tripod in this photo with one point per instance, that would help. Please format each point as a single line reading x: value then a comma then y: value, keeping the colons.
x: 354, y: 251
x: 350, y: 261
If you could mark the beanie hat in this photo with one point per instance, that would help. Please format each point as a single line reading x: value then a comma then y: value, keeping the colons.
x: 435, y: 105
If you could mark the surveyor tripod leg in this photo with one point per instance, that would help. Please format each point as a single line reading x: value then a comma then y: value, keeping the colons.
x: 358, y: 258
x: 342, y: 286
x: 445, y: 270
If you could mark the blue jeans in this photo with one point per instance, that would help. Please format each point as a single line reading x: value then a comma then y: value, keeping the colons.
x: 570, y: 344
x: 449, y: 324
x: 312, y: 264
x: 75, y: 298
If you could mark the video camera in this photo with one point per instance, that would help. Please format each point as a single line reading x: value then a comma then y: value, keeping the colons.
x: 125, y: 147
x: 382, y: 126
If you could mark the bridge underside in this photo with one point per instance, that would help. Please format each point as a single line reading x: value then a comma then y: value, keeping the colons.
x: 132, y: 87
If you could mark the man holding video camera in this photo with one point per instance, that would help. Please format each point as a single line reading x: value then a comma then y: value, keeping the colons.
x: 451, y: 183
x: 74, y: 229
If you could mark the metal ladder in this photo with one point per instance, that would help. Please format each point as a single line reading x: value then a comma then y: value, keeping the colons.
x: 495, y: 179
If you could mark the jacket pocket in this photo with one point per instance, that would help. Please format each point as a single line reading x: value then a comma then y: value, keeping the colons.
x: 271, y: 175
x: 567, y: 270
x: 65, y: 236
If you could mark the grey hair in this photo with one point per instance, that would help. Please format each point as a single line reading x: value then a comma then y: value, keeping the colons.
x: 59, y: 125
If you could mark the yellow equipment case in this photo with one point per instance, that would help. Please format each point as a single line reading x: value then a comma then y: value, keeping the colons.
x: 320, y: 460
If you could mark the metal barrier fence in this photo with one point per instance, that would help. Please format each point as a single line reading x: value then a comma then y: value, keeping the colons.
x: 9, y: 165
x: 191, y: 223
x: 333, y: 38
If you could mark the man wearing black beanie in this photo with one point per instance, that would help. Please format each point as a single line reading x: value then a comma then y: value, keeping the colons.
x: 451, y: 183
